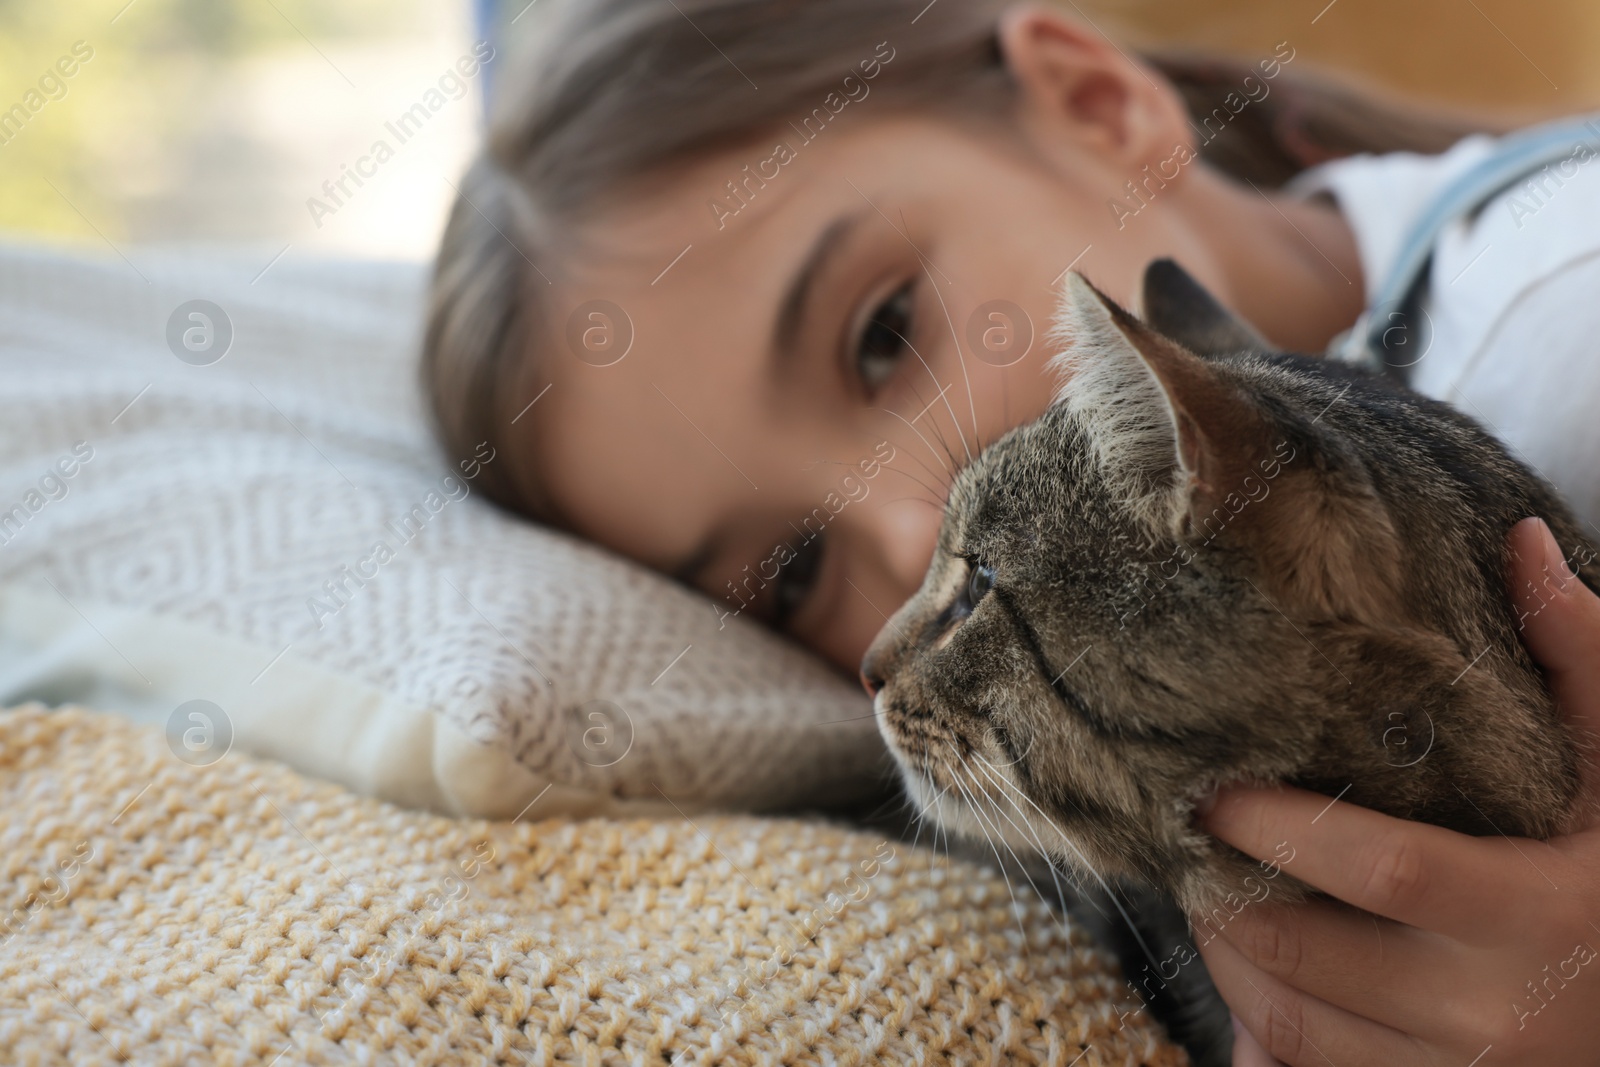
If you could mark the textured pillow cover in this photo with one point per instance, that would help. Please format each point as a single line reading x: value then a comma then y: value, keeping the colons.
x: 176, y: 530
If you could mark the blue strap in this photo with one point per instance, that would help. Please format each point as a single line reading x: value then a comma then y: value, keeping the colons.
x: 1383, y: 337
x: 488, y: 21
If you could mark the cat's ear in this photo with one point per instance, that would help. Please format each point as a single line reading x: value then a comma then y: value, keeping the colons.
x: 1172, y: 436
x: 1196, y: 458
x: 1177, y: 306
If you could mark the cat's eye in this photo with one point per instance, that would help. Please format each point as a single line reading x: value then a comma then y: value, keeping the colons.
x: 980, y: 580
x: 882, y: 343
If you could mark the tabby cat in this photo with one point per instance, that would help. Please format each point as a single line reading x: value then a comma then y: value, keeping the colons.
x: 1206, y: 563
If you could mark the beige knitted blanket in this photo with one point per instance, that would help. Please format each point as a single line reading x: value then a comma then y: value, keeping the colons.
x: 239, y: 913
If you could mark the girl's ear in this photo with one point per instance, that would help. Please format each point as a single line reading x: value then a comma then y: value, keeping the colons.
x: 1080, y: 90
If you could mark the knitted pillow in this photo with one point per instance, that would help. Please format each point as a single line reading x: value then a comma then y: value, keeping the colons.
x: 221, y: 510
x: 240, y: 914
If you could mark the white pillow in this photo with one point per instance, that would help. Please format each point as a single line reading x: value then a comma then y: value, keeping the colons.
x: 167, y: 527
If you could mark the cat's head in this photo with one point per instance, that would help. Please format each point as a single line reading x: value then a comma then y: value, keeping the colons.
x: 1181, y: 576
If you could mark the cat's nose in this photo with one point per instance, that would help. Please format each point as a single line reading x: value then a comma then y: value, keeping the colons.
x: 871, y: 673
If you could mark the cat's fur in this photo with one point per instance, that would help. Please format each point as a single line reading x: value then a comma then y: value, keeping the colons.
x: 1212, y: 563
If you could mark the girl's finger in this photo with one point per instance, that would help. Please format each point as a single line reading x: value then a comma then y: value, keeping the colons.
x: 1374, y: 968
x: 1410, y: 872
x: 1560, y: 623
x: 1297, y: 1029
x: 1247, y: 1051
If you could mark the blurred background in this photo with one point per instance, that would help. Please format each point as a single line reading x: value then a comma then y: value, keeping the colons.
x: 217, y: 120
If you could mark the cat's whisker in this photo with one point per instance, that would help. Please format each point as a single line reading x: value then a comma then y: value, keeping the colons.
x: 1059, y: 832
x: 917, y: 500
x: 902, y: 800
x: 922, y: 815
x: 1029, y: 831
x: 1133, y: 927
x: 938, y: 435
x: 961, y: 359
x: 918, y: 811
x: 1005, y: 401
x: 943, y: 476
x: 933, y: 493
x: 1028, y: 828
x: 943, y: 827
x: 950, y: 470
x: 942, y: 395
x: 1072, y: 874
x: 973, y: 807
x: 994, y: 809
x: 1116, y: 901
x: 934, y: 496
x: 1032, y: 740
x: 938, y: 812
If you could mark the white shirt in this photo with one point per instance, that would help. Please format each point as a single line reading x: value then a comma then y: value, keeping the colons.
x: 1513, y: 297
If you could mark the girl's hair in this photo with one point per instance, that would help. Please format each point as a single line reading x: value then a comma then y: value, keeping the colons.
x: 615, y: 90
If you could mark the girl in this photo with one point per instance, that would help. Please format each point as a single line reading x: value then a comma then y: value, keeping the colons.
x: 749, y: 246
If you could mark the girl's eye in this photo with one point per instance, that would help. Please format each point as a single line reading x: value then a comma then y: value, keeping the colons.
x: 883, y: 340
x: 794, y: 582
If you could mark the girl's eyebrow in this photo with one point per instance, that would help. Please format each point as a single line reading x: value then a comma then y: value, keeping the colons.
x: 827, y: 245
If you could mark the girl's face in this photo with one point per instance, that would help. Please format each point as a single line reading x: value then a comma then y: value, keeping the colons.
x: 802, y: 377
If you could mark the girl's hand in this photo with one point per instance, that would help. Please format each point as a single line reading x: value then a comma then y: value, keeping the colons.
x: 1477, y: 950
